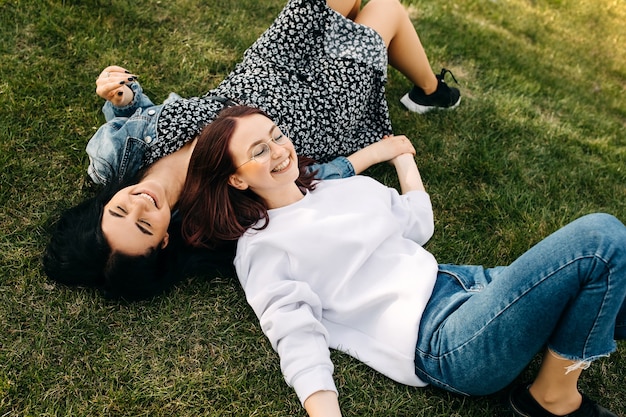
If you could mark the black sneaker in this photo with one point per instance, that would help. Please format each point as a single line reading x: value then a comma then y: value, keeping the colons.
x: 523, y: 404
x: 444, y: 97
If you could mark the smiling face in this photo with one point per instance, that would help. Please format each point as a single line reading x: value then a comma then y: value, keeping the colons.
x: 136, y: 219
x: 271, y: 177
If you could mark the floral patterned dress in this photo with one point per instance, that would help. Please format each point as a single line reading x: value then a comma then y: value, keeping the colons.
x: 318, y: 73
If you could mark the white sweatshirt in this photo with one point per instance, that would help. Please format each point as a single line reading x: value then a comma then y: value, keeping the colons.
x: 343, y: 268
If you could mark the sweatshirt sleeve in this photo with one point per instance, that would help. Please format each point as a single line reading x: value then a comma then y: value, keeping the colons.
x: 290, y: 315
x: 414, y: 212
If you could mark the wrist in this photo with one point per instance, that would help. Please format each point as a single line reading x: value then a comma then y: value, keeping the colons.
x: 403, y: 160
x: 323, y: 404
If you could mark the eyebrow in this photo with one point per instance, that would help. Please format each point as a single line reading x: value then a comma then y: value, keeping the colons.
x: 256, y: 142
x: 140, y: 227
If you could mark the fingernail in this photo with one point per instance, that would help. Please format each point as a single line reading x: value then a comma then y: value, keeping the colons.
x: 131, y: 78
x: 122, y: 82
x: 120, y: 93
x: 127, y: 72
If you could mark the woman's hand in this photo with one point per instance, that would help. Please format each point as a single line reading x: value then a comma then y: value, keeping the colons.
x: 384, y: 150
x: 112, y: 85
x: 390, y: 147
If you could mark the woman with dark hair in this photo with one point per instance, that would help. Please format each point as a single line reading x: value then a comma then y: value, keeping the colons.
x: 78, y: 254
x: 319, y: 73
x: 380, y: 297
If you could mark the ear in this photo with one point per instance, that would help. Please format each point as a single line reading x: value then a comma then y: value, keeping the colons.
x: 235, y: 181
x: 165, y: 241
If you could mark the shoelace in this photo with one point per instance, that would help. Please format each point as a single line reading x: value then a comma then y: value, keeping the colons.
x: 443, y: 73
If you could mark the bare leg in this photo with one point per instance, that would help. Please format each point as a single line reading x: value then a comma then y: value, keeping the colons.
x: 554, y: 389
x: 348, y: 8
x: 391, y: 20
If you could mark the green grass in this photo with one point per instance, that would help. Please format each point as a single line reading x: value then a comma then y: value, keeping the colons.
x: 537, y: 142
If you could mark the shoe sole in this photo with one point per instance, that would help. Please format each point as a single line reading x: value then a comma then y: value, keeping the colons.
x: 514, y: 409
x: 418, y: 108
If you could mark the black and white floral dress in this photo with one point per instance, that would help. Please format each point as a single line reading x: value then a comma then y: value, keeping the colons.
x: 321, y: 75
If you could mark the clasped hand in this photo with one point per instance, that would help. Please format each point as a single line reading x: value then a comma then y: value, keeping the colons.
x: 113, y: 85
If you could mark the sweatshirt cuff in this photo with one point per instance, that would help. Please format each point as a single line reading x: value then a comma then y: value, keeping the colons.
x: 310, y: 382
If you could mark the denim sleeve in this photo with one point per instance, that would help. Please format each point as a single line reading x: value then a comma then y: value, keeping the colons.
x: 339, y: 167
x: 139, y: 101
x: 117, y: 149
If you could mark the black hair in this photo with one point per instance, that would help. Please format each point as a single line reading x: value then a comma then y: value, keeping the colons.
x: 78, y: 255
x: 139, y: 277
x: 77, y: 252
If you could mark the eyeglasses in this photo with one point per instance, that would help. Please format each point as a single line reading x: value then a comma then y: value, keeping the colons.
x: 261, y: 152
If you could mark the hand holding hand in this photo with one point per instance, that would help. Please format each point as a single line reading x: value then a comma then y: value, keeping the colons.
x: 387, y: 149
x: 112, y: 85
x: 391, y: 147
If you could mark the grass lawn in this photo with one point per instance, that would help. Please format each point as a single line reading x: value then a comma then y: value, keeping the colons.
x: 537, y: 141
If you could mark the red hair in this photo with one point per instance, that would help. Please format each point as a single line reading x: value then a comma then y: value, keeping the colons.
x: 212, y: 210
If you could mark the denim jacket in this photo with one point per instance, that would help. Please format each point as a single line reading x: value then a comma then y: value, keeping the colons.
x: 118, y: 148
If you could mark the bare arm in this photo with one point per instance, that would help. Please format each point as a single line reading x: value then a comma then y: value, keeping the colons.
x: 322, y: 404
x: 384, y: 150
x: 408, y: 174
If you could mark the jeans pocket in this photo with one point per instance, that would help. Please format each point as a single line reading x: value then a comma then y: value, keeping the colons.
x: 472, y: 278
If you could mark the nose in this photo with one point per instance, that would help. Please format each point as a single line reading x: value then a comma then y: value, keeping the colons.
x: 138, y: 204
x: 278, y: 151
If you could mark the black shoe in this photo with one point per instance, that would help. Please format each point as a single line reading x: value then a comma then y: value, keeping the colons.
x: 523, y: 404
x: 444, y: 97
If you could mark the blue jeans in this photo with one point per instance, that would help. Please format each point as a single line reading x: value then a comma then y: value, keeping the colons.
x: 482, y: 327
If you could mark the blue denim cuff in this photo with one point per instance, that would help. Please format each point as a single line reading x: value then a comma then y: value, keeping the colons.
x: 339, y: 167
x: 139, y: 100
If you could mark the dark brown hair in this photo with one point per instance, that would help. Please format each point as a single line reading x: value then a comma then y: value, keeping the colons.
x: 78, y: 255
x: 212, y: 210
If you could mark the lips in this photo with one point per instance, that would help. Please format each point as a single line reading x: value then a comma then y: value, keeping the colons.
x: 282, y: 166
x: 149, y: 197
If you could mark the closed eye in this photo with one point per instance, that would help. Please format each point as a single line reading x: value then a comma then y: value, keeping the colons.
x: 140, y: 223
x: 261, y: 150
x: 143, y: 229
x: 116, y: 214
